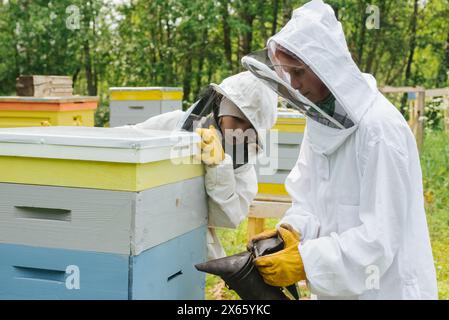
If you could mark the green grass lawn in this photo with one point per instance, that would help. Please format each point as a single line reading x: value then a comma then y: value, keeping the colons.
x: 435, y: 166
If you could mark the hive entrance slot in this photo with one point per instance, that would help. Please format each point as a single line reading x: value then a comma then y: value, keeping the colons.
x: 177, y: 274
x: 28, y: 212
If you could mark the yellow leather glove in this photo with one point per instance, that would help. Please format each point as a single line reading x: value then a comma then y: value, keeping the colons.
x: 267, y: 234
x: 212, y: 152
x: 285, y: 267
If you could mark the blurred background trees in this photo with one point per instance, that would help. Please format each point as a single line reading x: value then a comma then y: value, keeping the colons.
x: 190, y: 43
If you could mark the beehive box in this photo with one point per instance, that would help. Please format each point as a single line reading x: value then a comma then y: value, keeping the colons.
x: 51, y: 111
x: 126, y: 207
x: 290, y: 127
x: 44, y: 86
x: 130, y: 106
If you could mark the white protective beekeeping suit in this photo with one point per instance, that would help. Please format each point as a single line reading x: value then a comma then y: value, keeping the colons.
x: 357, y: 191
x: 230, y: 191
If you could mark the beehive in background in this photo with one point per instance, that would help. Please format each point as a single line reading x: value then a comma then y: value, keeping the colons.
x: 50, y: 111
x: 123, y: 207
x: 130, y: 106
x: 44, y: 86
x: 290, y: 127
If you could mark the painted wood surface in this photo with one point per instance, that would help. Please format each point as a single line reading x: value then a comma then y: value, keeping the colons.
x: 14, y: 105
x: 35, y: 273
x: 284, y: 150
x: 118, y: 155
x: 146, y: 93
x: 164, y: 272
x: 168, y: 211
x: 124, y: 138
x: 95, y: 174
x: 290, y: 138
x: 148, y: 105
x: 19, y: 118
x: 277, y: 178
x: 170, y: 105
x: 100, y: 220
x: 167, y: 271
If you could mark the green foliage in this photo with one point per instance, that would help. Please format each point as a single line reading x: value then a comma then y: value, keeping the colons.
x: 435, y: 168
x: 190, y: 43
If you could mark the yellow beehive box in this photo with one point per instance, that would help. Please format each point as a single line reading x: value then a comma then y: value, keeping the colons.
x: 120, y: 159
x: 51, y: 111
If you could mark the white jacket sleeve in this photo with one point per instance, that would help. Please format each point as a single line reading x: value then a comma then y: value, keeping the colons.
x: 298, y: 185
x: 340, y: 264
x: 230, y: 193
x: 165, y: 121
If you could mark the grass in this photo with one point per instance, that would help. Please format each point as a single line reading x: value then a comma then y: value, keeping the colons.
x: 435, y: 167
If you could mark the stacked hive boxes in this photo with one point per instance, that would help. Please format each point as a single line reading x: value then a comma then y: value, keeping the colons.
x: 133, y: 105
x: 290, y: 127
x: 100, y: 213
x: 51, y: 111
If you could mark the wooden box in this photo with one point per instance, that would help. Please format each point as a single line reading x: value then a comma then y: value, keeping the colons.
x: 44, y: 86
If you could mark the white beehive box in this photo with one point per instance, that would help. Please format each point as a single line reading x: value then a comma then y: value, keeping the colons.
x: 129, y: 106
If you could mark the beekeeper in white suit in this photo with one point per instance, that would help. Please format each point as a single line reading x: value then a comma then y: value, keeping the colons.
x: 357, y: 227
x: 240, y: 102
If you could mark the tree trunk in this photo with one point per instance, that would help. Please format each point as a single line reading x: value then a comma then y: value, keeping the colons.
x: 201, y: 58
x: 412, y: 47
x: 286, y: 11
x: 247, y: 37
x: 226, y: 33
x: 362, y: 33
x: 91, y: 90
x: 444, y: 67
x: 90, y: 74
x: 187, y: 82
x: 275, y: 16
x: 377, y: 39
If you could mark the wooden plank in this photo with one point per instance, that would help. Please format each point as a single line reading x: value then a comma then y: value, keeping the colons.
x: 437, y: 92
x: 272, y: 198
x: 267, y: 209
x: 446, y: 113
x: 255, y: 226
x: 263, y: 207
x: 420, y: 114
x: 388, y: 89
